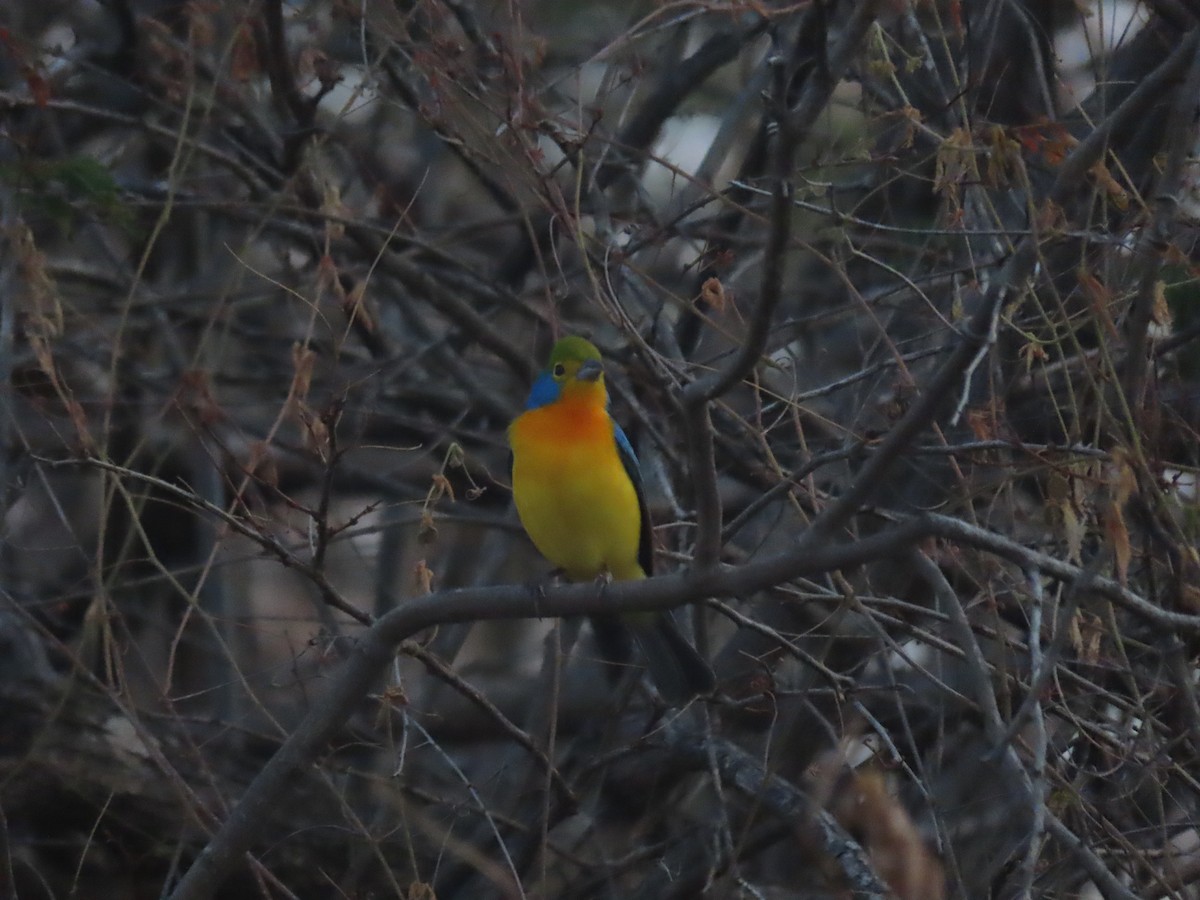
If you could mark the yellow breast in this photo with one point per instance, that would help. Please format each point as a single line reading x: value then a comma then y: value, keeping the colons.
x: 572, y: 492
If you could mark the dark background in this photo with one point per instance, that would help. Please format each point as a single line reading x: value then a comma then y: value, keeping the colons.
x: 276, y: 276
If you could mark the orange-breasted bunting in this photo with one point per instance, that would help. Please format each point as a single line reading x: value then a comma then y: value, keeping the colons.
x: 579, y: 496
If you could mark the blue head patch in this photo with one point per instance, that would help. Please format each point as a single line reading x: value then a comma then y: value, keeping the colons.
x: 544, y: 391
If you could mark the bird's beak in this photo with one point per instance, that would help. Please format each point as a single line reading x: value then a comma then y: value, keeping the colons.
x: 590, y: 370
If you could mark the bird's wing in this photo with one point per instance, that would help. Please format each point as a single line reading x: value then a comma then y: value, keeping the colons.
x: 630, y: 461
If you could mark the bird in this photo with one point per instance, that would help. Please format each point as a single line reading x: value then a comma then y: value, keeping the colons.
x: 579, y: 496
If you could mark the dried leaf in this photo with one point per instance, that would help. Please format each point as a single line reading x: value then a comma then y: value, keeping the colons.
x: 1062, y: 515
x: 333, y: 207
x: 1058, y: 489
x: 243, y: 61
x: 304, y: 360
x: 195, y: 398
x: 41, y: 351
x: 956, y: 19
x: 79, y: 421
x: 393, y: 698
x: 1085, y: 632
x: 1059, y: 143
x: 1125, y: 480
x: 912, y: 118
x: 327, y: 275
x: 1122, y: 481
x: 355, y: 307
x: 423, y: 577
x: 1050, y: 218
x: 1100, y: 299
x: 1003, y: 157
x: 1174, y: 255
x: 1050, y: 140
x: 441, y: 488
x: 982, y: 424
x: 879, y: 61
x: 1074, y: 532
x: 39, y: 87
x: 893, y: 842
x: 44, y: 314
x: 72, y: 407
x: 1160, y: 314
x: 1074, y: 634
x: 955, y: 164
x: 426, y: 529
x: 316, y: 433
x: 1031, y: 352
x: 1189, y: 597
x: 712, y: 293
x: 1117, y: 194
x: 262, y: 466
x: 1117, y: 534
x: 201, y: 29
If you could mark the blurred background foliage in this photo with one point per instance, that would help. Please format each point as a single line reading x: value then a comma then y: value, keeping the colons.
x: 275, y: 277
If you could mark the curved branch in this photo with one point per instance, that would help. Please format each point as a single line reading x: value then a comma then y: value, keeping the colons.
x: 378, y: 645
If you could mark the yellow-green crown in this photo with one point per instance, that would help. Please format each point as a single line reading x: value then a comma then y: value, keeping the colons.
x: 573, y: 348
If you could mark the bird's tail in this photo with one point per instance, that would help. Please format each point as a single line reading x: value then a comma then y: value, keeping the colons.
x: 678, y: 671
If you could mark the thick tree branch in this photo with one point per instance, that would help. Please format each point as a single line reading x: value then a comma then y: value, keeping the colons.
x: 377, y: 646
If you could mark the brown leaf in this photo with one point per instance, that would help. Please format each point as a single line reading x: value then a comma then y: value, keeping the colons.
x: 243, y: 59
x: 982, y: 424
x: 1085, y: 632
x: 355, y: 307
x: 1074, y: 531
x: 956, y: 18
x: 423, y: 577
x: 1125, y: 481
x: 441, y: 488
x: 1100, y: 299
x: 712, y: 292
x: 1117, y: 194
x: 304, y: 359
x: 1050, y: 217
x: 1031, y: 352
x: 1116, y: 532
x: 316, y: 432
x: 1003, y: 156
x: 327, y: 275
x: 1161, y: 312
x: 955, y: 164
x: 1059, y: 142
x: 333, y: 207
x: 195, y: 398
x: 39, y: 87
x: 1062, y: 515
x: 1189, y: 597
x: 262, y: 466
x: 912, y: 118
x: 897, y: 850
x: 1122, y: 484
x: 80, y: 423
x: 44, y: 312
x: 201, y: 29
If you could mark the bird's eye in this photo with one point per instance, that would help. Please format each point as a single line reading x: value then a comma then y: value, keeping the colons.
x: 559, y: 370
